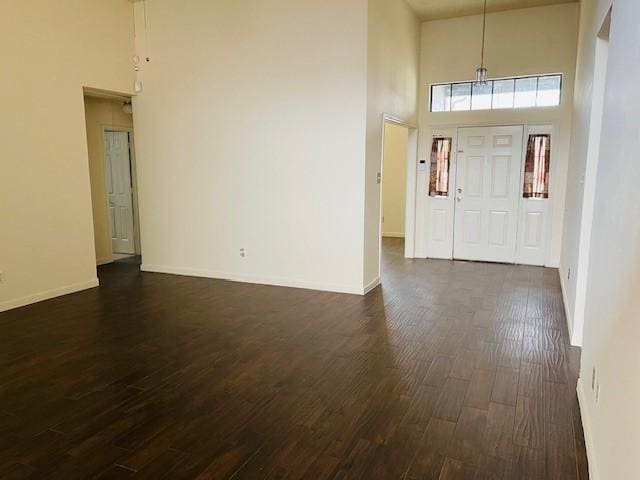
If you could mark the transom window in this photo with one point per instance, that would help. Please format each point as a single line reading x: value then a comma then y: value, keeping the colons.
x: 520, y: 92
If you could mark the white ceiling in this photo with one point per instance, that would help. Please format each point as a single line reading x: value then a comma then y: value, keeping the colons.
x: 434, y: 9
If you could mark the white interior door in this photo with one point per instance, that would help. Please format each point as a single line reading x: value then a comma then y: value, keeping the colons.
x: 118, y: 163
x: 487, y: 193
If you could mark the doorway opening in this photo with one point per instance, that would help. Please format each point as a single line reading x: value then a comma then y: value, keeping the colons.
x: 397, y: 191
x: 112, y: 168
x: 589, y: 175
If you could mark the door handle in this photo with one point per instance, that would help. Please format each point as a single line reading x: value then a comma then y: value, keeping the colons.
x: 459, y: 198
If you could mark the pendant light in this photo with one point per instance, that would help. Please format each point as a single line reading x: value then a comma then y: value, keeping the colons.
x: 481, y: 72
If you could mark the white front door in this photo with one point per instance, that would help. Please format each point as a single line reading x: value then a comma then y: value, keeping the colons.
x: 487, y: 192
x: 118, y: 164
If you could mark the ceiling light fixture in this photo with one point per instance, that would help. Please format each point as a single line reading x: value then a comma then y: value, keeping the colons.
x: 481, y: 72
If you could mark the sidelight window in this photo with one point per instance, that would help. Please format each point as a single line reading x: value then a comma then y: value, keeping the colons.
x: 440, y: 161
x: 536, y: 166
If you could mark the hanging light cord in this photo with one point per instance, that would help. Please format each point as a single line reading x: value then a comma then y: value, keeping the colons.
x: 484, y: 29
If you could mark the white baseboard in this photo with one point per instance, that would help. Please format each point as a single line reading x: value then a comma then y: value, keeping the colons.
x: 48, y: 294
x: 371, y: 285
x: 255, y: 279
x: 393, y: 235
x: 103, y: 261
x: 588, y: 431
x: 567, y: 313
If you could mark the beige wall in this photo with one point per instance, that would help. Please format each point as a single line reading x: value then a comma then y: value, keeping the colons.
x: 101, y: 113
x: 591, y: 17
x: 518, y: 42
x: 392, y: 83
x: 49, y: 51
x: 612, y: 315
x: 250, y: 134
x: 394, y: 180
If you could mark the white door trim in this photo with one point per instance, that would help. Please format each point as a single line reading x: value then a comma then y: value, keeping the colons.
x: 134, y: 179
x: 488, y: 206
x: 427, y: 205
x: 411, y: 180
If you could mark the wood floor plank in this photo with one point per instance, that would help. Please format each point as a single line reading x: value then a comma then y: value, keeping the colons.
x: 505, y: 388
x: 498, y: 435
x: 464, y: 365
x: 555, y: 366
x: 439, y: 371
x: 509, y: 354
x: 528, y: 464
x: 422, y: 407
x: 532, y: 350
x: 456, y: 470
x: 451, y: 399
x: 529, y: 423
x: 492, y: 468
x: 531, y: 383
x: 487, y: 356
x: 558, y: 401
x: 431, y: 455
x: 480, y: 388
x: 468, y: 443
x: 560, y: 461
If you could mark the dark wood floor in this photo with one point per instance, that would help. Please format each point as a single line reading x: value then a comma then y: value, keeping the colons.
x: 451, y: 370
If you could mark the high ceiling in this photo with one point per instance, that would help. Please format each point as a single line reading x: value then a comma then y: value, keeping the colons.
x: 434, y: 9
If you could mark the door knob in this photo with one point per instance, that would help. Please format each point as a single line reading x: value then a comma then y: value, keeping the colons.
x: 459, y: 199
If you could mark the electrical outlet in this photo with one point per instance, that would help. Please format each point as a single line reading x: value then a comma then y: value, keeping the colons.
x: 569, y: 274
x: 243, y: 253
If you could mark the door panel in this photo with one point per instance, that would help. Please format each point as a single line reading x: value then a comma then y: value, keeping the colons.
x: 502, y: 141
x: 474, y: 176
x: 472, y: 222
x: 118, y: 165
x: 533, y: 230
x: 533, y: 225
x: 439, y: 225
x: 487, y: 193
x: 476, y: 141
x: 498, y: 228
x: 500, y: 175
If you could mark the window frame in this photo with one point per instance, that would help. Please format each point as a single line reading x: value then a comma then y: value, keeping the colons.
x: 435, y: 193
x: 493, y: 80
x: 546, y: 167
